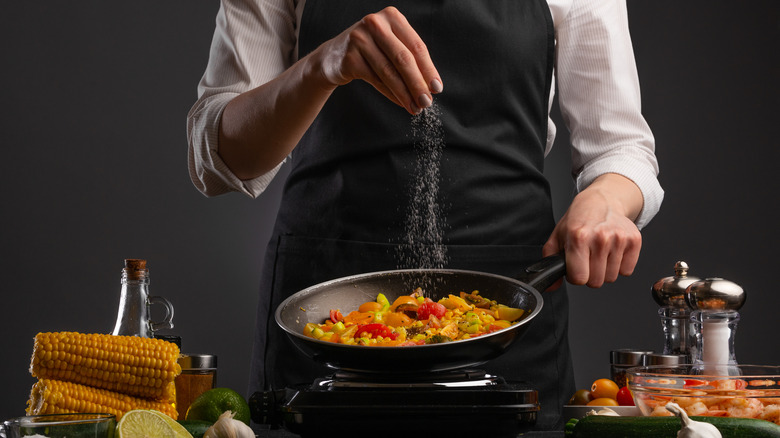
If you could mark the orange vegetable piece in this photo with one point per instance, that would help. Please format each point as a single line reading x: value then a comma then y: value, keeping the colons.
x: 371, y: 306
x: 403, y: 299
x: 356, y: 317
x: 397, y: 319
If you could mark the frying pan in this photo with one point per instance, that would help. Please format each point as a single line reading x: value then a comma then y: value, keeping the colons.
x: 313, y: 304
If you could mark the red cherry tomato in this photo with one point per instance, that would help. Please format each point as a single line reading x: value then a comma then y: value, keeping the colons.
x: 624, y: 397
x: 336, y: 316
x: 425, y: 310
x: 375, y: 330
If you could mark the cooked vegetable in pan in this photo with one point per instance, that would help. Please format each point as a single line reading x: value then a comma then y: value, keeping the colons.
x: 415, y: 320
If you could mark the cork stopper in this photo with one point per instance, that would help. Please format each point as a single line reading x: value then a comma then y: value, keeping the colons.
x: 135, y: 269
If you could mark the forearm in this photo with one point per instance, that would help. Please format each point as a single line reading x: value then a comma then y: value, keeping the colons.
x: 260, y: 127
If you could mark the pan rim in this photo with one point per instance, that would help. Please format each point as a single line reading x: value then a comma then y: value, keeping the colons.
x: 351, y: 278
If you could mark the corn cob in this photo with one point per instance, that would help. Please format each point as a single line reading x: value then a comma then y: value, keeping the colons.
x: 140, y: 367
x: 56, y: 397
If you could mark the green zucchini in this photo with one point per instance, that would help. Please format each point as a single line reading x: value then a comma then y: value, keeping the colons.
x: 601, y: 426
x: 196, y: 428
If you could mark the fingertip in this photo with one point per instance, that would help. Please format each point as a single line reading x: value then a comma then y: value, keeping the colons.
x: 436, y: 86
x: 425, y: 101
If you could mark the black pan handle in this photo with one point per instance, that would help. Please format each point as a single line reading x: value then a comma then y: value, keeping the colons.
x: 545, y: 272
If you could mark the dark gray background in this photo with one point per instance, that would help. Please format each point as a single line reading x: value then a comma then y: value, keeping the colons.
x: 94, y: 150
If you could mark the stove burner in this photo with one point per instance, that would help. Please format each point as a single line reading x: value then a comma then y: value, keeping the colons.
x: 463, y: 401
x: 450, y: 379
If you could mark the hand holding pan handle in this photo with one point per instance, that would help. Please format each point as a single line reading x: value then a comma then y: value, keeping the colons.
x: 544, y: 273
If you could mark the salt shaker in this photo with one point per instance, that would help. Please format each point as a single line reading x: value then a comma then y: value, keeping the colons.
x: 669, y: 293
x: 715, y: 303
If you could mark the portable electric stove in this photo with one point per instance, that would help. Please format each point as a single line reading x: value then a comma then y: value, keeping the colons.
x: 460, y: 401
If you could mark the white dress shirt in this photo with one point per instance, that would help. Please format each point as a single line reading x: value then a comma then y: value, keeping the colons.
x: 598, y: 91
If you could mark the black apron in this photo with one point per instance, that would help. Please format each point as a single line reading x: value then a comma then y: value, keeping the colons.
x: 345, y: 200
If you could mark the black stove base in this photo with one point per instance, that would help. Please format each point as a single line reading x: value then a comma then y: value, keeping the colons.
x: 481, y: 405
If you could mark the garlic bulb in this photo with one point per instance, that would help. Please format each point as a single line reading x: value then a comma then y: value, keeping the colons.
x: 227, y: 427
x: 604, y: 411
x: 690, y: 428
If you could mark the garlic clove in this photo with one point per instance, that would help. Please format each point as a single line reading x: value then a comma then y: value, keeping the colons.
x: 228, y: 427
x: 690, y: 428
x: 604, y: 411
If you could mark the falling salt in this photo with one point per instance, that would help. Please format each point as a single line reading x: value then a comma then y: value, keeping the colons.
x: 422, y: 244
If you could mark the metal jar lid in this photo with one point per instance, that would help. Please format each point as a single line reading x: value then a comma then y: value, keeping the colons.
x: 198, y: 362
x: 715, y: 294
x: 627, y: 356
x: 664, y: 359
x: 670, y: 291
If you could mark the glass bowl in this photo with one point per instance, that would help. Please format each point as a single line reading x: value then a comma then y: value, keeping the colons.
x: 745, y: 391
x: 81, y: 425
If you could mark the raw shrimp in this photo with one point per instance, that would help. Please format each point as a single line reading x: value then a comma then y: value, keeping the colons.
x: 697, y: 408
x: 661, y: 411
x: 771, y: 413
x: 730, y: 384
x: 685, y: 402
x: 743, y: 407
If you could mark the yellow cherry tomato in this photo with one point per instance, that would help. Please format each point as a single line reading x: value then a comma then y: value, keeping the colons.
x: 603, y: 401
x: 604, y: 388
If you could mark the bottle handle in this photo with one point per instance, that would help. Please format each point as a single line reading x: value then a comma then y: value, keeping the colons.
x: 167, y: 322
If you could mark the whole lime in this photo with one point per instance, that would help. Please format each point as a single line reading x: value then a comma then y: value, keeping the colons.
x: 212, y: 403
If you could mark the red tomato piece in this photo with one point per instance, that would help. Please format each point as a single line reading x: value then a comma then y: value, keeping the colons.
x: 690, y: 383
x: 335, y: 315
x: 494, y: 328
x: 624, y: 397
x: 375, y: 330
x: 425, y: 310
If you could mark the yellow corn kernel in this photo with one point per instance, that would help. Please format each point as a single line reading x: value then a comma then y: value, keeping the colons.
x: 131, y: 365
x: 57, y: 397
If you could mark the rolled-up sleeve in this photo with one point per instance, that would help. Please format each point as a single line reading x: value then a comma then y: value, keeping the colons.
x: 600, y: 102
x: 254, y: 41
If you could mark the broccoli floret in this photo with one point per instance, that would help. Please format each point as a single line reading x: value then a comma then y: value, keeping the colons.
x: 437, y: 339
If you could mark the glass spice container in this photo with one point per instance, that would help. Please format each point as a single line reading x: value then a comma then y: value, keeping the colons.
x: 621, y: 360
x: 665, y: 359
x: 198, y: 375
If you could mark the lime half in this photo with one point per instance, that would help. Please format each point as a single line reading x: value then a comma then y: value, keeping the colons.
x: 142, y: 423
x: 179, y: 430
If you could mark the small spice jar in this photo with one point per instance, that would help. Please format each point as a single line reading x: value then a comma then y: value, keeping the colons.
x: 623, y: 359
x: 198, y: 375
x: 665, y: 359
